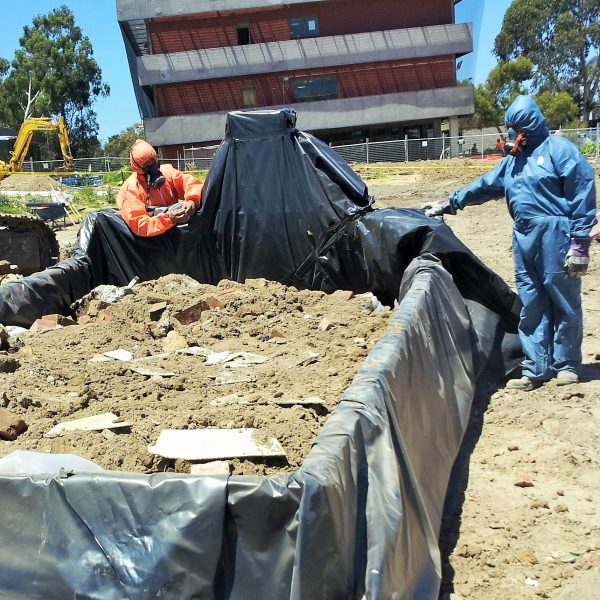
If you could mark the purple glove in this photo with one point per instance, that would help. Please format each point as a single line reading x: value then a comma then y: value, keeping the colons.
x: 437, y: 208
x: 577, y: 259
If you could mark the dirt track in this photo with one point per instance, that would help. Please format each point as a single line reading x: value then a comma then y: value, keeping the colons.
x: 499, y: 541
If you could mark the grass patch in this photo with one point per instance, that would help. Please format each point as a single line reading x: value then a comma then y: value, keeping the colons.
x: 89, y: 198
x: 12, y: 206
x: 116, y: 177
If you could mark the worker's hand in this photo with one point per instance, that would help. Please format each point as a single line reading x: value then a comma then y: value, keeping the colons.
x: 437, y: 208
x: 577, y: 259
x: 189, y: 208
x: 184, y: 213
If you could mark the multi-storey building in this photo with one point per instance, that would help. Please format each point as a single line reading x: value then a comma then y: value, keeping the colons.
x: 382, y: 69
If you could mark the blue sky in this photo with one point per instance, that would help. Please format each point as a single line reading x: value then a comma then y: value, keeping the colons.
x: 98, y: 21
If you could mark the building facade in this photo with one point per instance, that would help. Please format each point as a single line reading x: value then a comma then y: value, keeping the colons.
x: 352, y: 70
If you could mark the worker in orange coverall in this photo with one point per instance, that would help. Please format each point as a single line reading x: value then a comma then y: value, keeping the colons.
x: 155, y: 198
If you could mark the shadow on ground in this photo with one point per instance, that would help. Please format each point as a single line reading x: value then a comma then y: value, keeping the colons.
x: 455, y: 496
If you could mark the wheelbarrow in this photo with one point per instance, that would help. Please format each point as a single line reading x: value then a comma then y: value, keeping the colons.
x: 49, y: 211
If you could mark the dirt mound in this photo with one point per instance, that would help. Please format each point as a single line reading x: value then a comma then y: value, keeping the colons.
x: 29, y: 182
x: 311, y: 344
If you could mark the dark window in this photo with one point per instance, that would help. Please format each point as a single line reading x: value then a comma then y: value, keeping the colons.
x: 317, y: 88
x: 304, y: 27
x: 243, y: 33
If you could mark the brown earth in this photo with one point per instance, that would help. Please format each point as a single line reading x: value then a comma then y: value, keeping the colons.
x: 501, y: 541
x: 24, y: 182
x: 522, y: 517
x: 312, y: 345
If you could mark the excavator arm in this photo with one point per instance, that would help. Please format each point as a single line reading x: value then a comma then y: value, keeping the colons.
x: 26, y: 131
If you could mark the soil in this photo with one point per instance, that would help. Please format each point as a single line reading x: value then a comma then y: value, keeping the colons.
x: 21, y: 182
x: 522, y: 515
x: 500, y: 540
x: 312, y: 344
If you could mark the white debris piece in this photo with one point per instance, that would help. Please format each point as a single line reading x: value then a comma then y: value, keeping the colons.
x: 93, y: 423
x: 214, y: 444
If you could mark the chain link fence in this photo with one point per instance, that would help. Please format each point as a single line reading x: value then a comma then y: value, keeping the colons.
x: 472, y: 145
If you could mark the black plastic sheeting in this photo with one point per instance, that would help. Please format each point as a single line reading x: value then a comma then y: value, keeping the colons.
x: 279, y: 204
x: 360, y: 517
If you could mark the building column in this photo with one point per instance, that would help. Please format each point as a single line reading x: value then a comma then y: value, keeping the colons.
x: 454, y: 133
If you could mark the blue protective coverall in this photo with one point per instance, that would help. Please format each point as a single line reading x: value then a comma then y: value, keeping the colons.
x: 550, y: 192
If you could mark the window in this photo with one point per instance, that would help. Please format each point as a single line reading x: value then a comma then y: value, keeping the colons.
x: 304, y: 27
x: 243, y: 34
x: 249, y: 96
x: 317, y: 88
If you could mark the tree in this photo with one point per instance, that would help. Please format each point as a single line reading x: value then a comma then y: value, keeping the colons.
x: 505, y: 81
x: 119, y: 145
x: 560, y: 110
x: 562, y: 40
x: 56, y: 60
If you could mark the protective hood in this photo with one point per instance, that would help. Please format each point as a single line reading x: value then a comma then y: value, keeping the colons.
x: 141, y: 156
x: 524, y: 115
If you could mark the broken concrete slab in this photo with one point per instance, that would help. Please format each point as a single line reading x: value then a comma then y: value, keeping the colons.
x: 214, y: 467
x: 153, y: 372
x: 313, y: 402
x: 118, y: 354
x: 94, y: 423
x: 229, y: 378
x: 235, y: 360
x: 213, y: 444
x: 194, y: 351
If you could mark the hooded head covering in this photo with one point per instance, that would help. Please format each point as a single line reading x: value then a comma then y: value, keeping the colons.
x: 141, y: 156
x: 524, y: 115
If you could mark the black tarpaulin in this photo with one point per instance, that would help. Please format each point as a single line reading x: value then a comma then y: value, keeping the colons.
x: 361, y: 516
x: 278, y: 204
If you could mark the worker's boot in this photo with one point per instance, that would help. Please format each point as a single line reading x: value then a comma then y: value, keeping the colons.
x: 566, y: 378
x: 525, y: 384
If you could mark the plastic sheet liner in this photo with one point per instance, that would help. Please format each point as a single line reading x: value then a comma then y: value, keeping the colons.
x: 360, y: 517
x: 277, y: 203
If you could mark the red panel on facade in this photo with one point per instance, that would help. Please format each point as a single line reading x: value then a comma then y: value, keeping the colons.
x: 273, y: 24
x: 271, y: 90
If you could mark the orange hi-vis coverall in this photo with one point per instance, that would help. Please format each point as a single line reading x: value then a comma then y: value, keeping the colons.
x: 131, y: 200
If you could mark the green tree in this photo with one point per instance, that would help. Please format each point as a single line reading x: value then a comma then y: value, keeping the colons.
x: 55, y: 61
x: 562, y: 40
x: 505, y: 81
x: 560, y: 110
x: 119, y: 144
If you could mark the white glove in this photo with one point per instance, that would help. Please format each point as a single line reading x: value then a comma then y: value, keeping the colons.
x: 437, y: 208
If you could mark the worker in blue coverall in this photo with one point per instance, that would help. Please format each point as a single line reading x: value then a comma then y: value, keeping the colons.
x: 550, y: 191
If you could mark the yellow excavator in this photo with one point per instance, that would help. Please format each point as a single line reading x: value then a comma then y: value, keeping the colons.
x: 23, y: 141
x: 26, y: 242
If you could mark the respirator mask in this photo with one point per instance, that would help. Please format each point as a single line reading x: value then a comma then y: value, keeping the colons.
x: 515, y: 141
x: 155, y: 178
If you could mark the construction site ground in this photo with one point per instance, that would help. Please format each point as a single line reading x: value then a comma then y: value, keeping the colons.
x: 522, y: 518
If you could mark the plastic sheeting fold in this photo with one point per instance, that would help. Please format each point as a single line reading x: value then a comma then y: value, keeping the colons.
x: 360, y: 517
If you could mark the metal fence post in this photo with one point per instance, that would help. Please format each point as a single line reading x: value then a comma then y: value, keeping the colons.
x: 367, y: 147
x: 482, y: 142
x: 405, y: 147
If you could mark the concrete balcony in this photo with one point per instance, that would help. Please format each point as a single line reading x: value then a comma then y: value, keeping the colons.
x: 311, y: 53
x: 326, y: 114
x: 128, y: 10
